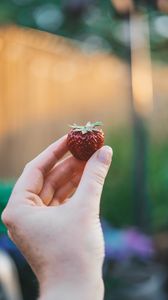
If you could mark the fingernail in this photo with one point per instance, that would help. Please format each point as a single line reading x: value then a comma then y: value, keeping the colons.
x: 105, y: 155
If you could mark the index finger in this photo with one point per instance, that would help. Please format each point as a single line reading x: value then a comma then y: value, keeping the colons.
x: 33, y: 175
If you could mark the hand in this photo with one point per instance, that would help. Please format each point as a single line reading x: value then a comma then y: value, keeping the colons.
x: 59, y: 235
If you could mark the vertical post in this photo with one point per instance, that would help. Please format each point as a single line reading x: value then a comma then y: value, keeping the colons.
x: 140, y: 177
x: 142, y: 96
x: 141, y: 92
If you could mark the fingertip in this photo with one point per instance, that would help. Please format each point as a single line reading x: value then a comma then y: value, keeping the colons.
x: 105, y: 154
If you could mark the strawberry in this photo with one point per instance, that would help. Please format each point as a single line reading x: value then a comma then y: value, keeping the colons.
x: 83, y: 141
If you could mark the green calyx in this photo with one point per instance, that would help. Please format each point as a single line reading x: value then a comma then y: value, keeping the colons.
x: 87, y: 128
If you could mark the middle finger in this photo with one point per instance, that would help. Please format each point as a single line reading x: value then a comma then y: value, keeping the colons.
x: 59, y: 176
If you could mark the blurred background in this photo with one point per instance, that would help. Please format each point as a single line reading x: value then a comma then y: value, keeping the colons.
x: 74, y: 61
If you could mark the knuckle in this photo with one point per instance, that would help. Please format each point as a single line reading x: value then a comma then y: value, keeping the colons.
x: 97, y: 174
x: 5, y: 217
x: 27, y: 166
x: 99, y: 177
x: 8, y: 217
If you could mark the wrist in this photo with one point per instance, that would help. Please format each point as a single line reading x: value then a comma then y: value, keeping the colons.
x: 81, y: 286
x: 73, y: 291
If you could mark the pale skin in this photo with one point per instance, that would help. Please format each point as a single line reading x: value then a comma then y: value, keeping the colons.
x: 53, y: 218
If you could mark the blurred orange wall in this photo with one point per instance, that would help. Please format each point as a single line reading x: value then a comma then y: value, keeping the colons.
x: 48, y: 82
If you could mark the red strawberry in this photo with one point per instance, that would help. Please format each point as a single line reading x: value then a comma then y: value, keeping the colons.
x: 83, y: 141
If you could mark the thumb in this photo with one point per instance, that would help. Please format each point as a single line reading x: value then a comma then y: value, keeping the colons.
x: 92, y: 181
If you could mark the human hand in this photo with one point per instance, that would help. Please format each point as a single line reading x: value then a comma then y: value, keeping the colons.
x: 61, y: 237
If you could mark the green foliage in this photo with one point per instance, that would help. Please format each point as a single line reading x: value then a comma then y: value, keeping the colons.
x: 93, y: 18
x: 158, y: 181
x: 117, y: 199
x: 5, y: 191
x: 117, y: 202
